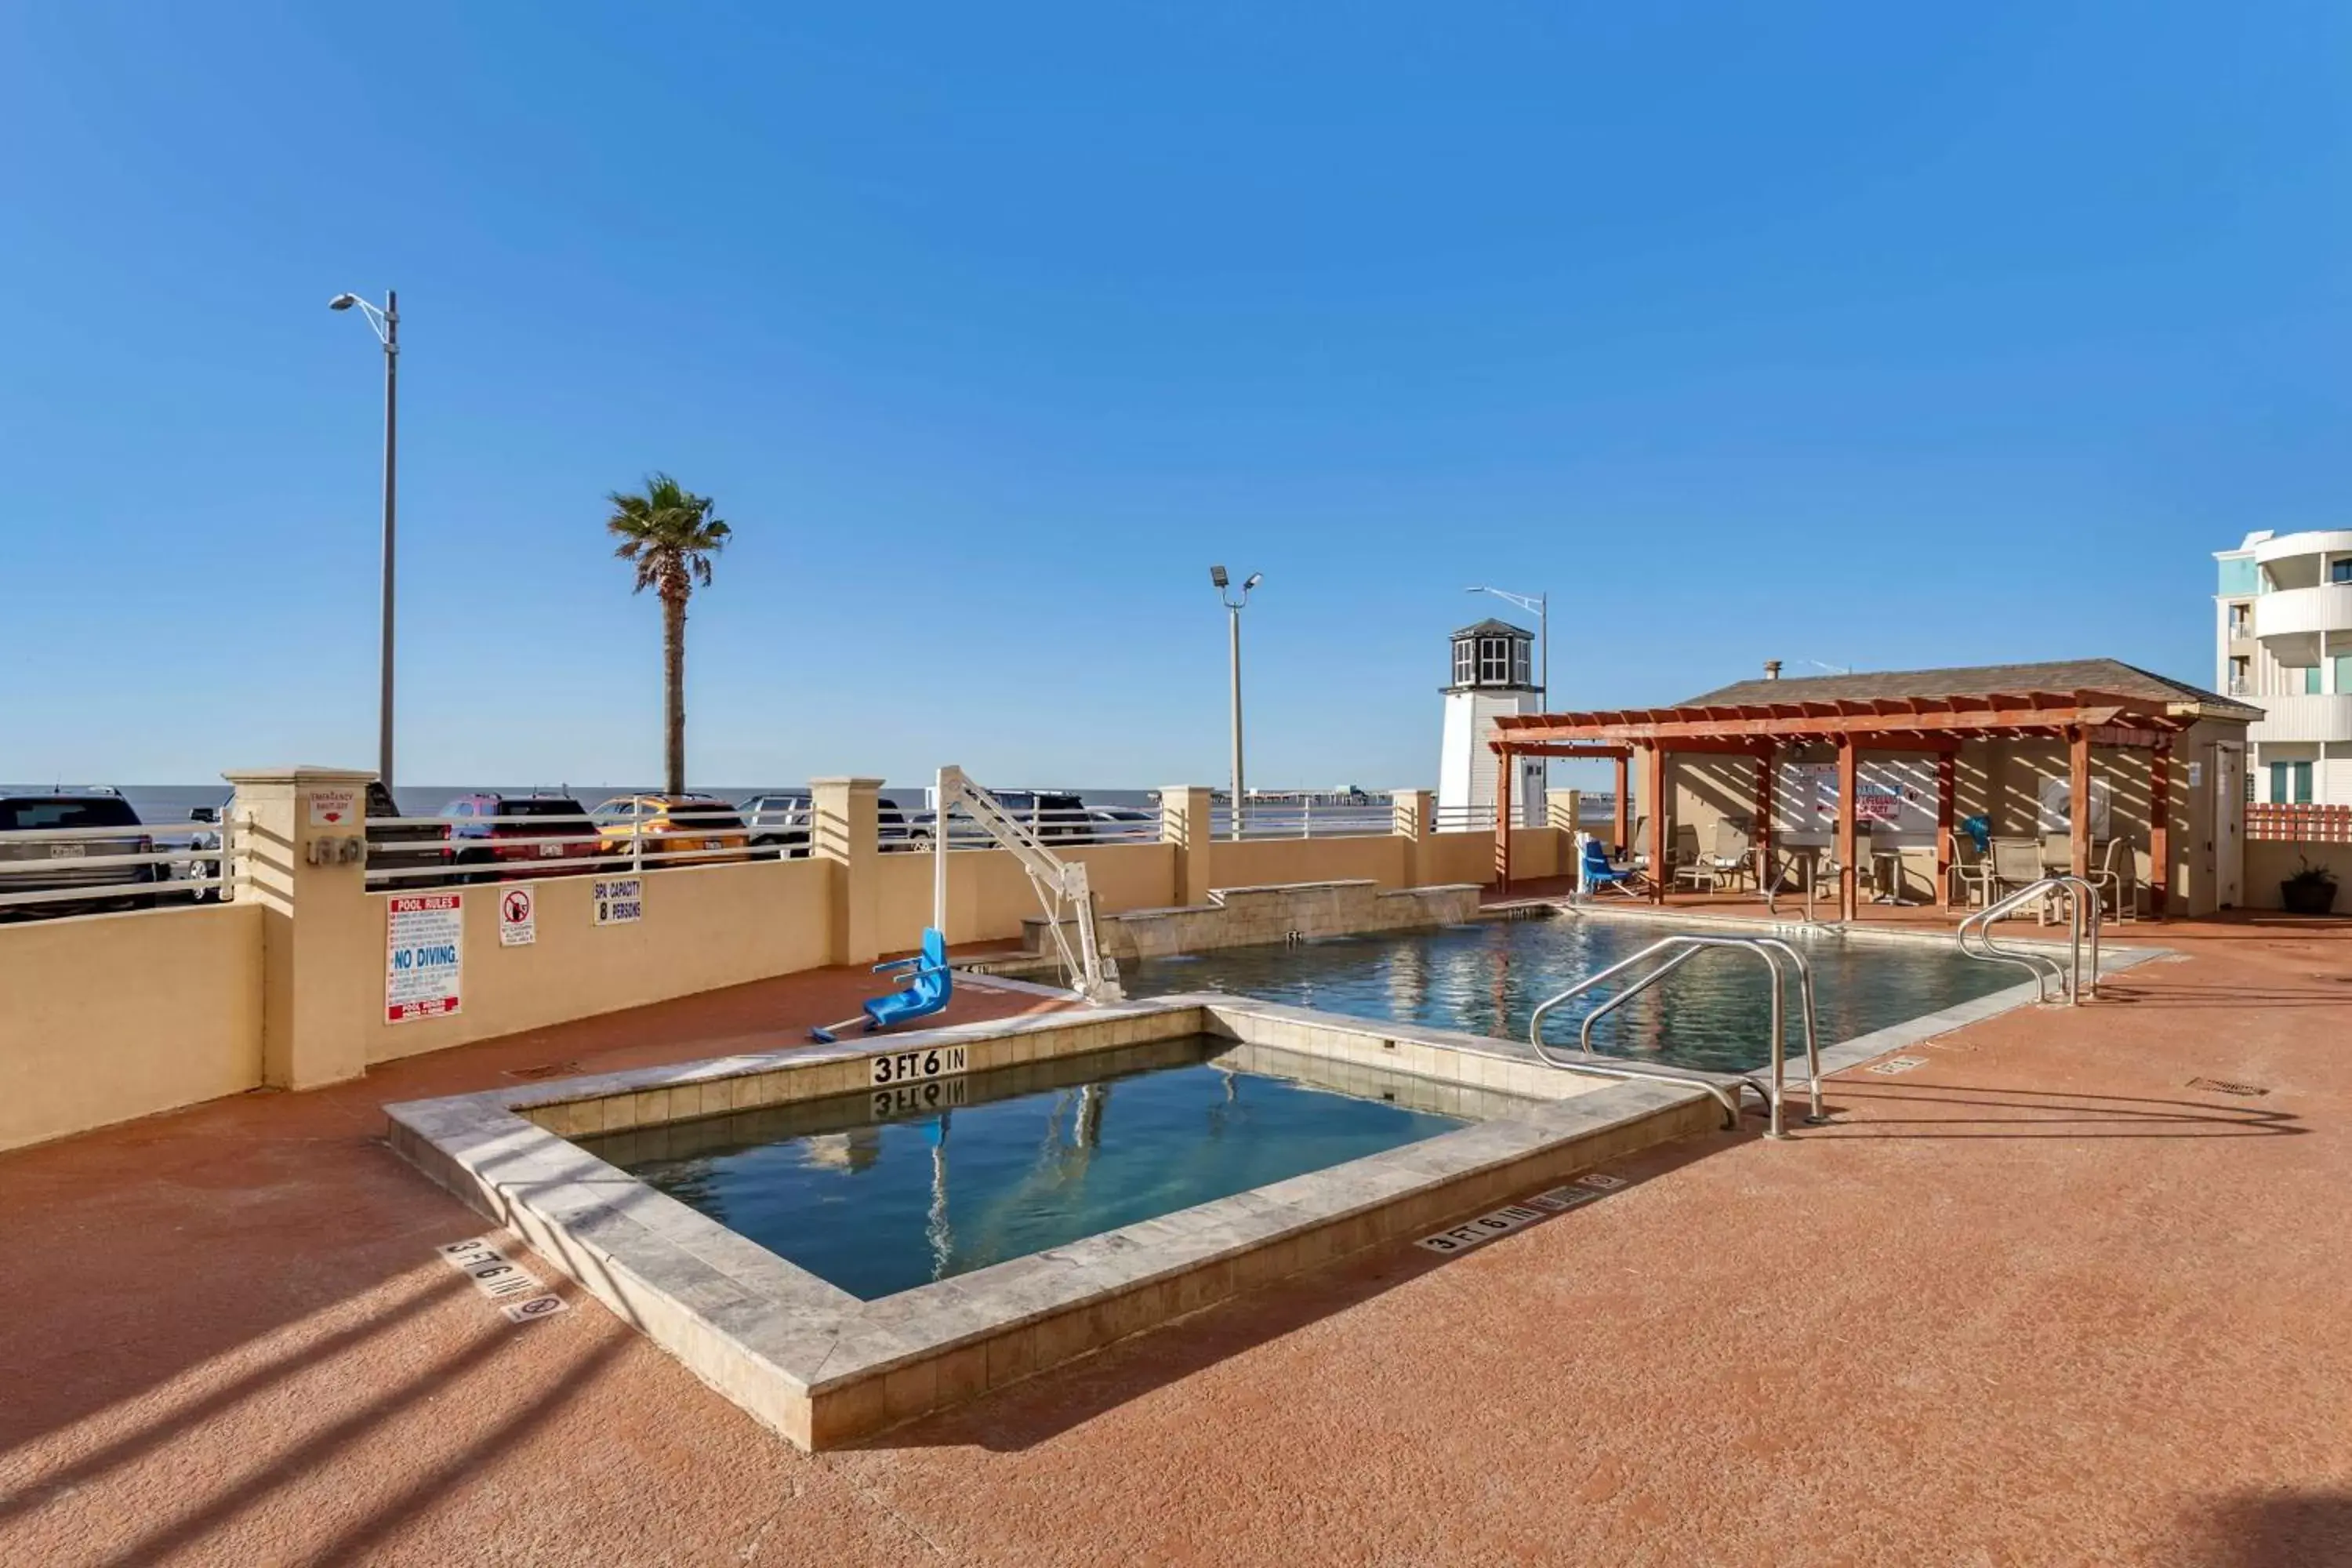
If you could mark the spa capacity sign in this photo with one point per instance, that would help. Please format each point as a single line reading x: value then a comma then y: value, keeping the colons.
x: 424, y: 955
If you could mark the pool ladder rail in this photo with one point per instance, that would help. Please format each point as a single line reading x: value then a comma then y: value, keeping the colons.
x: 2081, y: 914
x: 1664, y: 957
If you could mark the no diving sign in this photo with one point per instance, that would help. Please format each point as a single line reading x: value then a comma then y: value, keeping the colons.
x: 518, y: 918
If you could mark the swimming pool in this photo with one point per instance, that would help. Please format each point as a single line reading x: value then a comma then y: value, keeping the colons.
x: 894, y: 1188
x: 1487, y: 979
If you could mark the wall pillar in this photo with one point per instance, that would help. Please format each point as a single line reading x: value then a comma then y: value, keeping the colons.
x: 843, y: 828
x: 322, y: 972
x: 1184, y: 823
x: 1415, y: 818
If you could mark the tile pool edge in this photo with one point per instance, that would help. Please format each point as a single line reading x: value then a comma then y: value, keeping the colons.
x: 822, y: 1367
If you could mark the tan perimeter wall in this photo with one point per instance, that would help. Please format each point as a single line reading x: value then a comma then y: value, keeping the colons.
x: 2268, y: 864
x: 705, y: 927
x: 989, y: 894
x: 105, y: 1017
x: 1261, y: 862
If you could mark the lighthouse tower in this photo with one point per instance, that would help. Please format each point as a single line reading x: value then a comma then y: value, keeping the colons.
x: 1493, y: 669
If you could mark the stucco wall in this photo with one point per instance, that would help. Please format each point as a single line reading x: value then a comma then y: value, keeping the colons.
x: 107, y: 1017
x: 1257, y: 862
x: 705, y: 927
x: 2268, y: 864
x: 989, y: 894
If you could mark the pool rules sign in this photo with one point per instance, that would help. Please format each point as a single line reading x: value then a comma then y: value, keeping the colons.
x: 424, y: 955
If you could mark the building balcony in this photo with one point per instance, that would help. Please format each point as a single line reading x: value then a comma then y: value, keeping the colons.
x: 2299, y: 612
x: 2303, y: 719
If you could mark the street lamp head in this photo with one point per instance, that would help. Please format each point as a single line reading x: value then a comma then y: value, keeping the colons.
x: 1255, y: 579
x: 1217, y: 577
x: 342, y: 301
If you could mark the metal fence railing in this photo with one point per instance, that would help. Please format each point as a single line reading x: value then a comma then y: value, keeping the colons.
x: 61, y: 870
x: 2298, y: 824
x: 1463, y: 819
x: 1306, y: 819
x: 1055, y: 826
x: 403, y: 850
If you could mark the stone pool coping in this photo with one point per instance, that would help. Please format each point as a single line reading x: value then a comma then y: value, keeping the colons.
x: 822, y: 1367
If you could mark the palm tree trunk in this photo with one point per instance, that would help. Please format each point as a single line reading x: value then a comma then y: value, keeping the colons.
x: 674, y: 692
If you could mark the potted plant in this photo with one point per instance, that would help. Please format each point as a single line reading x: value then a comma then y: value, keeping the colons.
x: 2310, y: 891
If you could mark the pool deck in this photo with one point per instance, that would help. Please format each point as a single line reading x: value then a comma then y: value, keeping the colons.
x: 2038, y: 1299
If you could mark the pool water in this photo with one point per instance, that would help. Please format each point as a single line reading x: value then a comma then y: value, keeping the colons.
x: 885, y: 1191
x: 1488, y: 978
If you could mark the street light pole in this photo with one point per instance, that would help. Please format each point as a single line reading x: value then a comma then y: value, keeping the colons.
x: 1234, y: 644
x: 386, y: 324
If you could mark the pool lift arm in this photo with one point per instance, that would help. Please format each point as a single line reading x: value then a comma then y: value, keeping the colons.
x: 1059, y: 883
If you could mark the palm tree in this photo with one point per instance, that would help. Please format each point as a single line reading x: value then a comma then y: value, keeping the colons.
x: 669, y: 535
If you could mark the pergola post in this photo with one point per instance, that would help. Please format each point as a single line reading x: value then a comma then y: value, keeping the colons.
x: 2160, y: 830
x: 1654, y: 785
x: 1625, y: 801
x: 1503, y: 769
x: 2078, y: 815
x: 1947, y: 767
x: 1766, y: 761
x: 1848, y: 882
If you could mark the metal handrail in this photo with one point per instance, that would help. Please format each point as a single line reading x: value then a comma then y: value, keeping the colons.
x: 1684, y: 947
x: 2082, y: 910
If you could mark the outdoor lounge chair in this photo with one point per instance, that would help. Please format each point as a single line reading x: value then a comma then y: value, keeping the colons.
x: 1599, y: 873
x: 1735, y: 852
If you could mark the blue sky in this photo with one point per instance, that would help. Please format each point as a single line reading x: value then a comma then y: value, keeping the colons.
x: 1876, y: 336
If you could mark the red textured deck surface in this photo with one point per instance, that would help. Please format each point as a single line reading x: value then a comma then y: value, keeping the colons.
x: 2036, y: 1301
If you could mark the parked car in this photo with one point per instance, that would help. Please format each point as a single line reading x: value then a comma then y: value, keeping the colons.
x: 1049, y: 816
x: 49, y: 865
x: 393, y: 846
x: 891, y: 827
x: 779, y: 824
x: 1123, y: 824
x: 666, y: 824
x: 557, y: 837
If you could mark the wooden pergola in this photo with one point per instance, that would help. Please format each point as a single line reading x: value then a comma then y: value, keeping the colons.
x: 1933, y: 724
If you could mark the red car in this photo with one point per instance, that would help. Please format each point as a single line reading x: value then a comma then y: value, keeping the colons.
x: 494, y: 837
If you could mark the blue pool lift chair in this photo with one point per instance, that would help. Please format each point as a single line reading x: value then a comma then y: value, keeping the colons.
x: 927, y: 984
x: 1599, y: 873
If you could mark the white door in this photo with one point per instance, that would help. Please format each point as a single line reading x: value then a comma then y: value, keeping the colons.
x: 2229, y: 824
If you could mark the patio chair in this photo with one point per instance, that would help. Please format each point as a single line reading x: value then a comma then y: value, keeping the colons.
x: 2111, y: 877
x: 2057, y: 854
x: 2016, y: 863
x: 1686, y: 865
x: 1971, y: 870
x: 1599, y: 873
x: 1634, y: 855
x: 1734, y: 856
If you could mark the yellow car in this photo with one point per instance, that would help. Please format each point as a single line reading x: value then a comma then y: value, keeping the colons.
x: 672, y: 829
